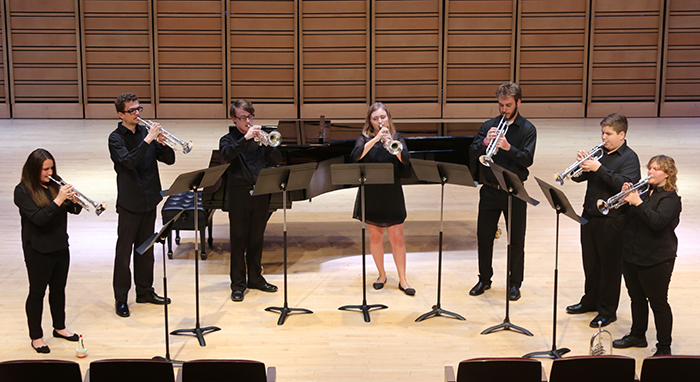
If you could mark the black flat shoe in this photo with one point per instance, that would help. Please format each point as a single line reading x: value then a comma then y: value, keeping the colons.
x: 604, y: 321
x: 630, y: 341
x: 152, y: 298
x: 578, y: 309
x: 514, y: 293
x: 42, y: 349
x: 379, y: 285
x: 237, y: 295
x: 267, y: 287
x: 73, y: 338
x: 409, y: 291
x: 479, y: 288
x: 122, y: 309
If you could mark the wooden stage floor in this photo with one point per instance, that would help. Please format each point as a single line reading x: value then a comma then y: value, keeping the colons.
x: 325, y: 267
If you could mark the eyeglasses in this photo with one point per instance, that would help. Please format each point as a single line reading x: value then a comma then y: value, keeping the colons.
x: 134, y: 110
x: 243, y: 118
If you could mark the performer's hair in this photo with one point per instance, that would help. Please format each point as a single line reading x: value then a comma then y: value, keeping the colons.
x: 368, y: 130
x: 509, y: 89
x: 667, y: 165
x: 31, y: 177
x: 241, y: 104
x: 617, y: 121
x: 122, y: 100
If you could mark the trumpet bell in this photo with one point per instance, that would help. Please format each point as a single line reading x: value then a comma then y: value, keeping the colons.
x: 100, y: 208
x: 603, y: 206
x: 187, y: 147
x: 275, y: 138
x: 559, y: 179
x: 486, y: 160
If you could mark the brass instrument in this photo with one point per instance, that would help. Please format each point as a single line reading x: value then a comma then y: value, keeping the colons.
x: 82, y: 200
x: 617, y: 200
x: 272, y: 139
x: 491, y: 149
x: 392, y: 146
x: 597, y: 347
x: 169, y: 139
x: 575, y: 169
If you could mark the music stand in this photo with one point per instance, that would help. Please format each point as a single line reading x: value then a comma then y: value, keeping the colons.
x: 192, y: 181
x: 558, y: 200
x: 511, y: 184
x: 273, y: 180
x: 440, y: 172
x: 159, y: 237
x: 354, y: 174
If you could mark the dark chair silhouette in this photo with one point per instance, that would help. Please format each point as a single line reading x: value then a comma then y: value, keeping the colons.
x: 132, y: 370
x: 676, y: 368
x: 225, y: 370
x: 605, y: 368
x: 497, y: 370
x: 40, y: 371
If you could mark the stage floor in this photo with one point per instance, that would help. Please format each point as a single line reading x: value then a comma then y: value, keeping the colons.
x: 325, y: 267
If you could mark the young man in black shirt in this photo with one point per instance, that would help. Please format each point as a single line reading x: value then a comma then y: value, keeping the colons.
x: 135, y: 152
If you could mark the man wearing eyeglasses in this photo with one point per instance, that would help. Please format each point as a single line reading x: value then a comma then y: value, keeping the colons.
x: 135, y: 151
x: 247, y: 214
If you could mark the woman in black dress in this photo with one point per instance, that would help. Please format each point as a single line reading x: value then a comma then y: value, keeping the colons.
x: 43, y: 207
x: 385, y: 206
x: 649, y: 253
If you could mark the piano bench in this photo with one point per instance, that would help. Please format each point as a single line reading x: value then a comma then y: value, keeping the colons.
x: 174, y: 204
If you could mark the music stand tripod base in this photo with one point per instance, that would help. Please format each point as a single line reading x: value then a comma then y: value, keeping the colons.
x: 364, y: 308
x: 507, y: 325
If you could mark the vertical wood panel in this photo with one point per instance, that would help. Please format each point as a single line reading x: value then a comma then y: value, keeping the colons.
x: 4, y: 83
x: 117, y: 54
x: 479, y: 55
x: 44, y: 58
x: 263, y: 55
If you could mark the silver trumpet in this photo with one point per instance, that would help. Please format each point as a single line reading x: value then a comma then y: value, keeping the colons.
x: 575, y: 169
x: 272, y: 139
x: 491, y: 149
x: 617, y: 200
x: 169, y: 139
x: 82, y: 200
x: 597, y: 346
x: 392, y: 146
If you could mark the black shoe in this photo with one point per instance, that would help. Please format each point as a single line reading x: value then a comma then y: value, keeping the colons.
x: 479, y: 288
x: 662, y: 351
x: 73, y: 338
x: 151, y: 298
x: 514, y: 293
x: 379, y: 285
x: 408, y: 291
x: 267, y: 287
x: 42, y: 349
x: 122, y: 309
x: 578, y: 309
x: 605, y: 321
x: 237, y: 295
x: 630, y: 341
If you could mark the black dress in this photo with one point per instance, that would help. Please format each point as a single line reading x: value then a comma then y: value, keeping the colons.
x: 385, y: 205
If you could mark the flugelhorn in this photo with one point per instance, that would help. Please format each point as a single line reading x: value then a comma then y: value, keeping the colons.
x: 82, y: 200
x: 272, y: 139
x: 617, y: 200
x: 492, y: 149
x: 392, y: 146
x: 169, y: 139
x: 597, y: 347
x: 575, y: 169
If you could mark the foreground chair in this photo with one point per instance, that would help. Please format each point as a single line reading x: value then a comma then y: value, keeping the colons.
x: 131, y: 370
x: 605, y: 368
x: 40, y: 371
x: 676, y: 368
x: 225, y: 370
x: 497, y: 370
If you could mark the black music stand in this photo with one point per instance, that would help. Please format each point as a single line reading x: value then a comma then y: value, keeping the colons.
x: 193, y: 181
x: 511, y: 184
x: 440, y: 172
x: 558, y: 200
x: 274, y: 180
x: 354, y: 174
x: 159, y: 237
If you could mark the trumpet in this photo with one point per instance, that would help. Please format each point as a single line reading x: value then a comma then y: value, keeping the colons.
x: 82, y: 200
x: 597, y: 347
x: 272, y: 139
x: 392, y: 146
x: 575, y: 169
x: 491, y: 149
x: 169, y: 139
x: 617, y: 200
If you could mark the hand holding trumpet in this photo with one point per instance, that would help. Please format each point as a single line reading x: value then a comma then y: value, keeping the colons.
x: 65, y: 192
x: 502, y: 143
x: 154, y: 133
x: 633, y: 197
x: 590, y: 164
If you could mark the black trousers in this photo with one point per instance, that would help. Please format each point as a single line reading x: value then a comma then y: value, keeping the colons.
x: 46, y: 269
x: 492, y: 203
x: 649, y: 286
x: 133, y: 230
x: 601, y: 249
x: 247, y: 217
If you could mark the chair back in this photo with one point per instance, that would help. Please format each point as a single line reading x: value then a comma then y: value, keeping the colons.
x: 223, y: 370
x: 40, y: 371
x: 605, y: 368
x: 499, y: 370
x: 676, y: 368
x: 132, y: 370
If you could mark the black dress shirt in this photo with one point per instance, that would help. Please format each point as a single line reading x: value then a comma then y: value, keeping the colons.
x: 44, y: 229
x: 247, y: 158
x: 136, y: 164
x: 650, y: 236
x: 616, y: 168
x: 522, y: 137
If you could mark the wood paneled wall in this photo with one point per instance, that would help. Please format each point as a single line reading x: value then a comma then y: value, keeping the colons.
x: 304, y: 58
